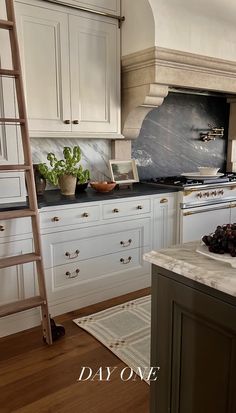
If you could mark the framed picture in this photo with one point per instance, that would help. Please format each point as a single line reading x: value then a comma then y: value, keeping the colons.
x: 123, y: 172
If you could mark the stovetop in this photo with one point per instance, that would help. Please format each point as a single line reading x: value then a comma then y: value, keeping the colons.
x: 183, y: 182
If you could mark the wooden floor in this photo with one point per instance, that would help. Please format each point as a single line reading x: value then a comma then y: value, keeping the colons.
x: 35, y: 378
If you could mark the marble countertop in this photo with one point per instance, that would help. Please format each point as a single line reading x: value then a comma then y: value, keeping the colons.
x: 185, y: 261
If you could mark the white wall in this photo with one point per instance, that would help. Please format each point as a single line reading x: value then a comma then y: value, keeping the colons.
x: 206, y: 27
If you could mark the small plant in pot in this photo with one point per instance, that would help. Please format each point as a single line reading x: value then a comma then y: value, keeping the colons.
x: 65, y: 172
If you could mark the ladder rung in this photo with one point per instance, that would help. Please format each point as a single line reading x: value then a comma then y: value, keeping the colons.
x: 12, y: 120
x: 18, y: 260
x: 6, y: 24
x: 16, y: 167
x: 21, y: 305
x: 9, y: 73
x: 17, y: 213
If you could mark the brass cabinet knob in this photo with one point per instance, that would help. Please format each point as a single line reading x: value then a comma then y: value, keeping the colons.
x: 115, y: 210
x: 163, y: 201
x: 72, y: 255
x: 139, y: 207
x: 125, y: 261
x: 73, y: 274
x: 2, y: 228
x: 85, y: 215
x: 55, y: 219
x: 67, y: 121
x: 75, y: 122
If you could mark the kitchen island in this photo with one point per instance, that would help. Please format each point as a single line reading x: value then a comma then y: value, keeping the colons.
x: 193, y: 332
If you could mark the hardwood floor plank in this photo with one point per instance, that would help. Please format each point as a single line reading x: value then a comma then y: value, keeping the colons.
x: 35, y: 378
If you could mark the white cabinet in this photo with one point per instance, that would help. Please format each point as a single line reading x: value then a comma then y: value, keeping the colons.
x: 107, y: 6
x: 232, y: 213
x: 164, y: 221
x: 71, y: 66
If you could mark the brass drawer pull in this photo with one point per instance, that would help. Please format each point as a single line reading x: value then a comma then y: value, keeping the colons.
x: 126, y: 243
x: 72, y: 256
x: 127, y: 261
x: 67, y: 121
x: 115, y: 210
x: 163, y: 201
x: 85, y: 215
x: 2, y: 228
x: 55, y: 219
x: 139, y: 207
x: 75, y: 122
x: 71, y: 275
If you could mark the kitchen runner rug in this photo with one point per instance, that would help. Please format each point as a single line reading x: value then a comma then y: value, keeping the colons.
x: 125, y: 330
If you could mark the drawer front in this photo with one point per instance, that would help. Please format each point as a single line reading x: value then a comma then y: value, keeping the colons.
x: 70, y: 275
x: 123, y: 209
x: 11, y: 227
x: 63, y: 217
x: 83, y: 244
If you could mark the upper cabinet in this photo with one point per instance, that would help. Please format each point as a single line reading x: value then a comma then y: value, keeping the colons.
x: 107, y: 6
x: 71, y: 66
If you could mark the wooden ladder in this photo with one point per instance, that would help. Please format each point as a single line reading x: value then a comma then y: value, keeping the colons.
x: 32, y: 209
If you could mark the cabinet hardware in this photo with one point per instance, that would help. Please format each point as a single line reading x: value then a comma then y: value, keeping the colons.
x: 67, y: 121
x: 115, y: 210
x: 85, y: 215
x: 75, y: 122
x: 201, y: 211
x: 139, y: 207
x: 126, y: 243
x: 127, y: 261
x: 55, y: 219
x: 2, y: 228
x: 163, y: 201
x: 231, y: 206
x: 72, y: 255
x: 71, y: 275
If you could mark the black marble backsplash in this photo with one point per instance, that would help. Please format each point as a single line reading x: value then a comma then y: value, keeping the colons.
x: 169, y: 142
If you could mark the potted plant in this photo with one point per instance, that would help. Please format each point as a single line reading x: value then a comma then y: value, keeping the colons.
x: 65, y: 172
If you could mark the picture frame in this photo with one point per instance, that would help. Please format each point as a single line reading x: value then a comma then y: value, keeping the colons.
x: 123, y: 172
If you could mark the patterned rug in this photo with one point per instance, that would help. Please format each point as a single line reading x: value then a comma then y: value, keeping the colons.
x: 125, y: 330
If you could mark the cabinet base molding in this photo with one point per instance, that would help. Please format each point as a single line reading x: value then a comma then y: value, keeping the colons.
x: 19, y: 322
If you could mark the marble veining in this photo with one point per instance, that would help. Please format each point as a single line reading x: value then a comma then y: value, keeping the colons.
x: 185, y: 261
x: 95, y: 153
x: 169, y: 142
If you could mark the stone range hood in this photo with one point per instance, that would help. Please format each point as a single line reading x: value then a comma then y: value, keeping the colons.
x: 148, y: 76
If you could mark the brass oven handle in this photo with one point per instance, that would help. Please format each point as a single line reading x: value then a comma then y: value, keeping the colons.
x: 139, y: 207
x: 163, y: 201
x: 67, y: 121
x: 127, y: 261
x: 55, y: 219
x: 85, y: 215
x: 2, y: 228
x: 185, y: 214
x: 116, y: 210
x: 72, y: 255
x: 126, y: 243
x: 70, y: 275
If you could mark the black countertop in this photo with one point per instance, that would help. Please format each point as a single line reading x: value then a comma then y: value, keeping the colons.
x: 54, y: 197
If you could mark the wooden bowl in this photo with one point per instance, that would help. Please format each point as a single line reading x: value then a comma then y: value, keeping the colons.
x: 103, y: 186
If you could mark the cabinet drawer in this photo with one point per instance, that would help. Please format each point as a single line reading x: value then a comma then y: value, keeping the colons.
x: 11, y: 188
x: 11, y: 227
x: 86, y: 243
x: 70, y: 275
x: 123, y: 209
x: 62, y: 217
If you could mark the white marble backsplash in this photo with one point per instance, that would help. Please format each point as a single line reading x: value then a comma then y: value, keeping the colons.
x: 95, y: 153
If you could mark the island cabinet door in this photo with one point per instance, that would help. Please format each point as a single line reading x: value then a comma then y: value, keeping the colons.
x: 194, y: 344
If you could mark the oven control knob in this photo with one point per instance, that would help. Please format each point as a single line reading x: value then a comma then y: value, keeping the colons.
x: 221, y: 192
x: 206, y: 194
x: 214, y: 193
x: 199, y: 195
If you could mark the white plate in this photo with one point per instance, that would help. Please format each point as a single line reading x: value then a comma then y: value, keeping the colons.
x: 196, y: 175
x: 203, y: 249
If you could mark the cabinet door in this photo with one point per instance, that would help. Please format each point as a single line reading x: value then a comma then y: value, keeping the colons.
x: 165, y: 222
x: 108, y: 6
x: 94, y: 51
x: 43, y: 37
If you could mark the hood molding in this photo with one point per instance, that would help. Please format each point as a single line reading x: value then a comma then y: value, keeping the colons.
x: 147, y: 76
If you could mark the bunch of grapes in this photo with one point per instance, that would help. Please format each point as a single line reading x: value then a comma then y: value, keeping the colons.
x: 223, y: 240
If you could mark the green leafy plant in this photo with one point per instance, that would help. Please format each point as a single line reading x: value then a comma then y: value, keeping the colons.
x: 66, y: 166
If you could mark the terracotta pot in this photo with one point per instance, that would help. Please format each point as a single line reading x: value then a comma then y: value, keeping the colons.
x: 67, y: 184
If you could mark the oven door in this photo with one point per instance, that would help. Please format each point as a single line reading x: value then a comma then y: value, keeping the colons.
x: 198, y: 221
